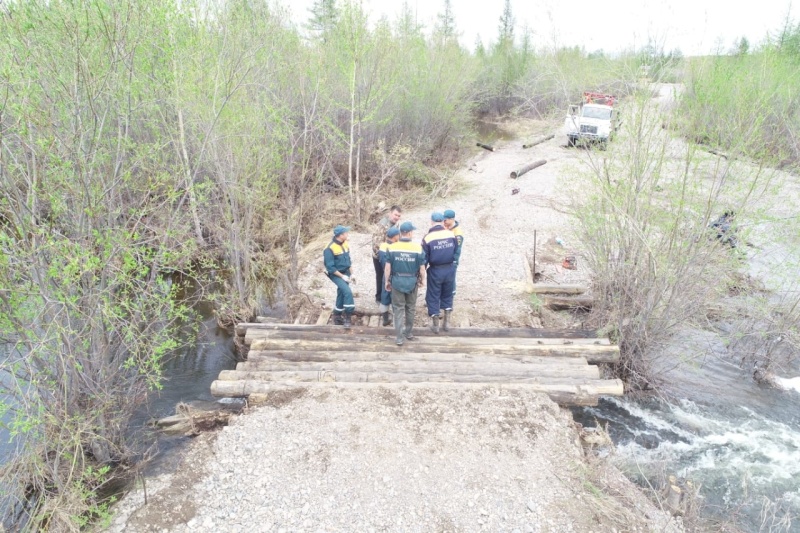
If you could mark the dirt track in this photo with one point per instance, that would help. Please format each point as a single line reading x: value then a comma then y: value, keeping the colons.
x: 499, y: 232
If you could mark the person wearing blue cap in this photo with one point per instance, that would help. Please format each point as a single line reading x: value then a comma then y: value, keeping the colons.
x: 404, y: 274
x: 338, y: 268
x: 451, y: 223
x: 439, y: 246
x: 392, y: 234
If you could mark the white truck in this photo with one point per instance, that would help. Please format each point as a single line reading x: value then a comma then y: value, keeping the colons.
x: 593, y: 120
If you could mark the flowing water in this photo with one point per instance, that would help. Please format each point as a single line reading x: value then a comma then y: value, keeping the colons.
x: 738, y: 440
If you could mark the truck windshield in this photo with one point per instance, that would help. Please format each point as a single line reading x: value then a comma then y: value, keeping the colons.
x: 601, y: 113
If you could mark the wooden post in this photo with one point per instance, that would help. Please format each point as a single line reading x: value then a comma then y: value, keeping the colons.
x: 533, y: 266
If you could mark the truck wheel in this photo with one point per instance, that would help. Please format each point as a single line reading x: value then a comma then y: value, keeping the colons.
x: 570, y: 142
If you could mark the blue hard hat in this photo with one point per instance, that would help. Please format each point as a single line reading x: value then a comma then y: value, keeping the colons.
x: 449, y: 213
x: 338, y: 230
x: 405, y: 227
x: 392, y: 232
x: 437, y: 216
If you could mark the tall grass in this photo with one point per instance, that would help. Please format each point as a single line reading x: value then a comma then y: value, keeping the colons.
x: 747, y: 104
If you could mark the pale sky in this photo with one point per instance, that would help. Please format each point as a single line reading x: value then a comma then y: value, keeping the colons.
x: 694, y: 26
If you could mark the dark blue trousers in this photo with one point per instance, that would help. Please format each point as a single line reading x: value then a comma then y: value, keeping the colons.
x: 344, y: 297
x: 441, y: 284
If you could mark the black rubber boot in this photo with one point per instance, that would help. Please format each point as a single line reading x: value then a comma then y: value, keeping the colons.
x: 386, y: 320
x: 446, y: 321
x: 347, y: 323
x: 435, y: 324
x: 338, y: 320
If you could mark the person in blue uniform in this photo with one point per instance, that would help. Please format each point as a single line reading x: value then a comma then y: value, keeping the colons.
x: 452, y: 224
x: 392, y: 235
x: 404, y: 274
x: 440, y: 246
x: 338, y: 268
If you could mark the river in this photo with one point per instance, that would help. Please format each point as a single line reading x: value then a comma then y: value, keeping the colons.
x: 737, y: 440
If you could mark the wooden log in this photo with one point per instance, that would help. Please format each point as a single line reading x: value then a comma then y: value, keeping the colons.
x: 402, y: 355
x: 386, y: 335
x: 426, y: 367
x: 538, y: 141
x: 485, y: 146
x: 527, y: 168
x: 266, y: 319
x: 323, y: 317
x: 558, y: 303
x: 542, y: 288
x: 586, y: 394
x: 592, y: 353
x: 537, y: 333
x: 393, y: 377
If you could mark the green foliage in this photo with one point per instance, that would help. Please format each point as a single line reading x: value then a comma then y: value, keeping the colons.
x: 747, y: 103
x: 644, y: 225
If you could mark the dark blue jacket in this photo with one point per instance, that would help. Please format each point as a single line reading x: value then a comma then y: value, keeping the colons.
x: 440, y: 245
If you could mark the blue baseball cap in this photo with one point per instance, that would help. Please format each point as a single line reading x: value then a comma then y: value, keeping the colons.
x: 437, y: 216
x: 392, y: 232
x: 338, y: 230
x: 449, y: 213
x: 405, y: 227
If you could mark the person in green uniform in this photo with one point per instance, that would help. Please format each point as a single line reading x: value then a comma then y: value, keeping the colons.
x: 392, y: 235
x: 338, y: 268
x: 404, y: 274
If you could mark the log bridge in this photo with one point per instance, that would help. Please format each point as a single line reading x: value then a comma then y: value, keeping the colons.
x: 561, y: 363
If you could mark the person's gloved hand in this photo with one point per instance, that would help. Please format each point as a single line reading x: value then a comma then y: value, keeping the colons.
x: 346, y: 278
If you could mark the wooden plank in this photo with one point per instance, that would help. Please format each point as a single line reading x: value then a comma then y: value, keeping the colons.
x: 425, y: 367
x: 586, y: 394
x: 374, y: 320
x: 593, y: 354
x: 324, y: 317
x: 541, y: 288
x: 388, y: 334
x: 394, y: 377
x: 522, y: 332
x: 404, y: 355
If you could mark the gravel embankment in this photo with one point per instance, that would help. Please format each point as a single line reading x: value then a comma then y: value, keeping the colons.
x: 385, y: 460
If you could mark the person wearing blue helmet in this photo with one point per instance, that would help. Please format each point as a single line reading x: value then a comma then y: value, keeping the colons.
x: 338, y: 268
x: 440, y: 246
x: 404, y: 274
x: 392, y: 234
x: 452, y: 224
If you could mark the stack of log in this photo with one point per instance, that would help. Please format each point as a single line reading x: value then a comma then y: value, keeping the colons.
x: 561, y: 363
